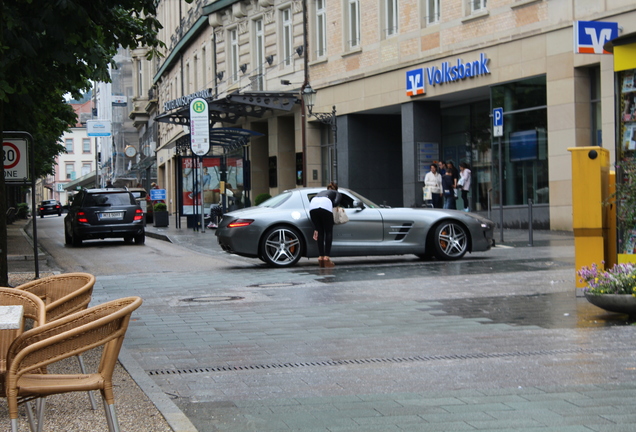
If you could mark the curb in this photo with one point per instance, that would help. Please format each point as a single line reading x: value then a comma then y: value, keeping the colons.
x: 176, y: 419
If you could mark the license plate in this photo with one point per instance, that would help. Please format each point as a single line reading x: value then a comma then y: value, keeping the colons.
x: 111, y: 216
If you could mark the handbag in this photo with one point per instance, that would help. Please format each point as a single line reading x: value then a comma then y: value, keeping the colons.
x: 460, y: 183
x: 428, y: 195
x: 340, y: 216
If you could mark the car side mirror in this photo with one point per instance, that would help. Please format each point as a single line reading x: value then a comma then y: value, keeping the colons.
x: 358, y: 204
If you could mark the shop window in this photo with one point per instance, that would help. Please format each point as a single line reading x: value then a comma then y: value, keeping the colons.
x: 299, y: 169
x: 524, y: 144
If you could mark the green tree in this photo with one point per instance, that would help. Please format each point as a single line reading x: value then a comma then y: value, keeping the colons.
x: 52, y: 47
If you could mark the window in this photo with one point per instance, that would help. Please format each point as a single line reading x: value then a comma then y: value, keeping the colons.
x: 195, y: 72
x: 86, y: 145
x: 187, y: 79
x: 477, y: 5
x: 204, y: 68
x: 234, y: 54
x: 86, y: 168
x: 288, y: 38
x: 391, y: 17
x: 140, y: 78
x: 432, y: 11
x: 70, y: 171
x: 321, y: 28
x: 259, y: 53
x: 68, y: 142
x: 353, y: 20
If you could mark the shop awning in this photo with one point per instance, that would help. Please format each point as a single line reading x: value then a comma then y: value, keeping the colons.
x: 228, y: 138
x: 82, y: 182
x: 236, y: 105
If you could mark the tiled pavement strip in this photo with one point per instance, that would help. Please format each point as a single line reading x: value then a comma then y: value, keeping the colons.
x: 243, y: 348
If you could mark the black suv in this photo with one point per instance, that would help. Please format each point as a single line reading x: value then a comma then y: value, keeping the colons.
x: 104, y: 213
x: 48, y: 207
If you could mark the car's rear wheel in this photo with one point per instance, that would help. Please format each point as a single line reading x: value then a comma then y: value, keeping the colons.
x: 128, y: 239
x: 67, y: 237
x: 281, y: 246
x: 76, y: 240
x: 140, y: 239
x: 450, y: 241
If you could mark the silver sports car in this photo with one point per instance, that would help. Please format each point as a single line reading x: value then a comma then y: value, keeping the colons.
x: 279, y: 231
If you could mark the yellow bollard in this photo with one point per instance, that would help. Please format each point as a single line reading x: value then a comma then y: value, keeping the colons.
x: 590, y: 189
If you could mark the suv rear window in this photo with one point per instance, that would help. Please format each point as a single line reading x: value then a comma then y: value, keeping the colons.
x: 108, y: 199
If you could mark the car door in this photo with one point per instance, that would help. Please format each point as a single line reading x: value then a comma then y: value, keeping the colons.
x: 364, y: 229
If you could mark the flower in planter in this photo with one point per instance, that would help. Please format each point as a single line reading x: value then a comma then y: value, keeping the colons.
x: 620, y: 279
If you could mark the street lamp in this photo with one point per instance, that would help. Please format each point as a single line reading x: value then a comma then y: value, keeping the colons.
x: 309, y: 100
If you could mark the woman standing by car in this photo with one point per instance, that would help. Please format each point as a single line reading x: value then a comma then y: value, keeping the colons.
x: 464, y: 183
x: 433, y: 181
x: 321, y: 214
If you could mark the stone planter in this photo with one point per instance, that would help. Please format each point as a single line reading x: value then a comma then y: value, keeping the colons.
x: 160, y: 218
x: 619, y: 303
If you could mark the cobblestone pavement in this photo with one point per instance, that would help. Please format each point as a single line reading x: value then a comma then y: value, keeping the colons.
x: 498, y: 341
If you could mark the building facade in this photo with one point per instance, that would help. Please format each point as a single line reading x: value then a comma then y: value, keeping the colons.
x: 408, y: 82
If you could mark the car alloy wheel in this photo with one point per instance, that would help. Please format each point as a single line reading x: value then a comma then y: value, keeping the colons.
x: 281, y: 247
x: 451, y: 241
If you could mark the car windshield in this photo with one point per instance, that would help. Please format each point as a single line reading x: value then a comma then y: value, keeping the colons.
x: 276, y: 201
x: 48, y: 202
x: 108, y: 199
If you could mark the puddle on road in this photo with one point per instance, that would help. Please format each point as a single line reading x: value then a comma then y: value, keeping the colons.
x: 551, y: 311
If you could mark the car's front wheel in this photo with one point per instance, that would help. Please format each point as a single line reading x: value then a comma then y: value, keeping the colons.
x: 450, y: 241
x: 281, y: 247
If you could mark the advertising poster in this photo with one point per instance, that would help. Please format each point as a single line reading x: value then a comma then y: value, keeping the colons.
x: 194, y: 188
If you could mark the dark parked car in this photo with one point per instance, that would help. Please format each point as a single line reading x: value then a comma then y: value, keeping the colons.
x: 104, y: 213
x: 143, y: 198
x: 48, y: 207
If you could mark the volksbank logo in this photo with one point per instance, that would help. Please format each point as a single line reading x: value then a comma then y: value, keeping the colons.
x: 447, y: 73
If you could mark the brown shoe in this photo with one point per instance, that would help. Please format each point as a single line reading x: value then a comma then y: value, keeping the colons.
x: 327, y: 263
x: 321, y: 262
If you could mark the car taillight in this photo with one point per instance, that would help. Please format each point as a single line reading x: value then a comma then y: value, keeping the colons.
x: 240, y: 223
x: 41, y: 208
x: 57, y: 206
x: 139, y: 214
x: 81, y: 217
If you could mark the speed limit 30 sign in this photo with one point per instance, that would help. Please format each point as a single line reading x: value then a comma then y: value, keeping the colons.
x: 15, y: 160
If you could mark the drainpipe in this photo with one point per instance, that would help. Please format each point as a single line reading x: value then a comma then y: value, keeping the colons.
x: 303, y: 115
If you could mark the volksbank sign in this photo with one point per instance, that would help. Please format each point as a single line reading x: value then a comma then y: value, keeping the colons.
x: 447, y: 73
x: 185, y: 100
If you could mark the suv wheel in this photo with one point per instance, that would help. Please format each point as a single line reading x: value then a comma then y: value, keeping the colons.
x: 140, y: 239
x: 77, y: 241
x: 67, y: 237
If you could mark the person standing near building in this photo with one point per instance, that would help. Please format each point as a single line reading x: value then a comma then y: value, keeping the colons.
x: 448, y: 186
x: 321, y: 214
x: 433, y: 181
x: 464, y: 183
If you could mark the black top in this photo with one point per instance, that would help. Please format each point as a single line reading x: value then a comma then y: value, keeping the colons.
x: 447, y: 185
x: 333, y: 195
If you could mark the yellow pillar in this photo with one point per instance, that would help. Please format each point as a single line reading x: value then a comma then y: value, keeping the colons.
x: 590, y: 186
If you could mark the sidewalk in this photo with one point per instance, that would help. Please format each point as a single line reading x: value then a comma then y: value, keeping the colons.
x: 140, y: 403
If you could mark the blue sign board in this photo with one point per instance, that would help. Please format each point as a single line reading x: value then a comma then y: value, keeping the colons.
x: 590, y: 36
x: 157, y: 194
x: 497, y: 122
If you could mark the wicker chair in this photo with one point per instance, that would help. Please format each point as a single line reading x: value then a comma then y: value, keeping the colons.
x: 102, y: 325
x: 33, y: 310
x: 63, y: 295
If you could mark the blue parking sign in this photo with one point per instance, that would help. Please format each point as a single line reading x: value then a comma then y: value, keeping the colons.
x: 497, y: 122
x: 157, y: 194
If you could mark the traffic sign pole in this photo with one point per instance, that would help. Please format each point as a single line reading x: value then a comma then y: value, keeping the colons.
x: 497, y: 131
